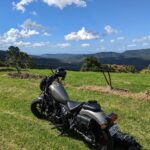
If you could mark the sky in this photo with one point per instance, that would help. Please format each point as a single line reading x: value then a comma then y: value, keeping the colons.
x: 74, y: 26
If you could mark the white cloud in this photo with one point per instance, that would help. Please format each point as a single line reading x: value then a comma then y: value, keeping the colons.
x: 14, y: 35
x: 120, y: 38
x: 40, y: 44
x: 63, y: 45
x: 22, y: 44
x: 141, y: 39
x: 11, y: 36
x: 82, y: 34
x: 29, y: 24
x: 112, y: 41
x: 102, y: 40
x: 30, y: 44
x: 109, y: 30
x: 46, y: 34
x: 32, y: 25
x: 145, y: 44
x: 18, y: 37
x: 34, y: 13
x: 131, y: 45
x: 63, y: 3
x: 21, y: 5
x: 28, y: 33
x: 85, y: 45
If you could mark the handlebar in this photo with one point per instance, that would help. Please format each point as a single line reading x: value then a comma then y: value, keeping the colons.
x: 52, y: 78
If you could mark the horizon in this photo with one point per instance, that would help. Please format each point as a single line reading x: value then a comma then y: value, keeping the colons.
x: 84, y: 53
x: 42, y: 27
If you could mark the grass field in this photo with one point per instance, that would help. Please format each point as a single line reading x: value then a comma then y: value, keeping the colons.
x: 20, y: 130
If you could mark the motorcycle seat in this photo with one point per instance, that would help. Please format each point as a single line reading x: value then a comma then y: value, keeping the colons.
x: 93, y: 106
x: 72, y: 105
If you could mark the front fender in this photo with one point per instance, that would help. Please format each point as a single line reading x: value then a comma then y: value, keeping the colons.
x: 99, y: 117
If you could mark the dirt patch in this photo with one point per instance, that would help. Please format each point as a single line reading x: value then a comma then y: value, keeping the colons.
x: 119, y: 92
x: 25, y: 76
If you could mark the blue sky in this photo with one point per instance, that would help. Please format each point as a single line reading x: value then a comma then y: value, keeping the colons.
x: 74, y: 26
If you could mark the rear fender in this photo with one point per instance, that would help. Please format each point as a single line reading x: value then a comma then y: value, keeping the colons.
x: 99, y: 117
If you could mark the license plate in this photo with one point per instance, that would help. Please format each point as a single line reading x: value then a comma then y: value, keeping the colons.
x: 113, y: 130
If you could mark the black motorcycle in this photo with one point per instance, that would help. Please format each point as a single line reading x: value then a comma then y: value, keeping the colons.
x: 86, y: 119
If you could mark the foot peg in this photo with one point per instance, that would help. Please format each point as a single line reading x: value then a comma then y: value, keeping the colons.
x: 57, y: 126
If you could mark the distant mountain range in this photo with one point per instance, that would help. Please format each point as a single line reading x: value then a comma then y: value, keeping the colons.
x: 139, y: 58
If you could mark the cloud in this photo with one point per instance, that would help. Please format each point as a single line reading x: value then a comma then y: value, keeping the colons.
x: 14, y: 35
x: 102, y: 40
x: 21, y: 5
x: 28, y: 33
x: 40, y: 44
x: 141, y: 39
x: 63, y: 3
x: 29, y: 24
x: 31, y: 44
x: 131, y: 45
x: 34, y: 13
x: 63, y: 45
x: 112, y: 41
x: 109, y: 30
x: 82, y: 34
x: 85, y: 45
x: 46, y: 34
x: 18, y: 37
x: 22, y: 44
x: 32, y: 25
x: 145, y: 44
x: 120, y: 38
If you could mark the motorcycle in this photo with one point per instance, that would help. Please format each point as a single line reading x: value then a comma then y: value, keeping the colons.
x: 86, y: 119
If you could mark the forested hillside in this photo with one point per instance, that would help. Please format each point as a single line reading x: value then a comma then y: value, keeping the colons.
x: 138, y: 58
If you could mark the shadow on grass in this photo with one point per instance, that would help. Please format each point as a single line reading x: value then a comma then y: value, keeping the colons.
x: 74, y: 135
x: 6, y: 69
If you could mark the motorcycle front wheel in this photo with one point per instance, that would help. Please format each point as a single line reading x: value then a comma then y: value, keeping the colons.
x: 38, y: 109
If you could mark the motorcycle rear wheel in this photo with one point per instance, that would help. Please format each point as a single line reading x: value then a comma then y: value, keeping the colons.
x: 37, y: 109
x: 103, y: 139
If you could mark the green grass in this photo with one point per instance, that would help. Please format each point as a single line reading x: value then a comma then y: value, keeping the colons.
x: 19, y: 129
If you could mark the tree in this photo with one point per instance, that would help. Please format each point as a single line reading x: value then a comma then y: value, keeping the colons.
x: 131, y: 69
x: 3, y: 63
x: 148, y: 67
x: 91, y: 64
x: 18, y: 59
x: 107, y: 76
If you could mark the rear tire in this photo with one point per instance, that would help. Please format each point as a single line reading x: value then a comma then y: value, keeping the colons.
x: 103, y: 139
x: 38, y: 109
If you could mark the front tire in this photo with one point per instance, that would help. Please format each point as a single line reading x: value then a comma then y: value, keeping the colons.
x: 37, y: 108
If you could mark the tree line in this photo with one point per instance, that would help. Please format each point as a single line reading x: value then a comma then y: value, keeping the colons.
x: 18, y: 59
x: 91, y: 63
